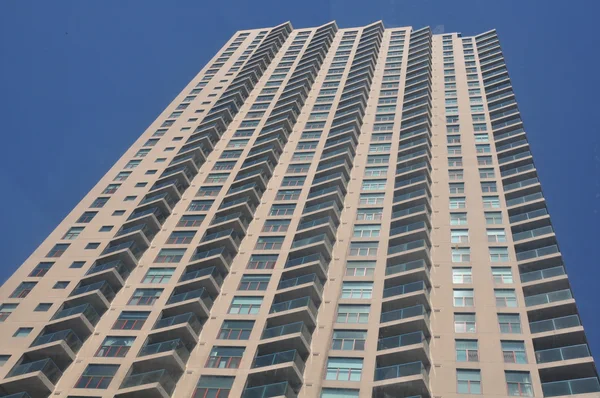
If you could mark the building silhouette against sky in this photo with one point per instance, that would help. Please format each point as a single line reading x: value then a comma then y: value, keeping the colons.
x: 321, y: 212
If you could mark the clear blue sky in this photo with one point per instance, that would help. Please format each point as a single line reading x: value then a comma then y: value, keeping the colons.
x: 80, y: 80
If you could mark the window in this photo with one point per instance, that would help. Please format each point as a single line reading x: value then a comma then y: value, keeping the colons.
x: 43, y: 307
x: 6, y: 310
x: 339, y: 393
x: 344, y: 369
x: 502, y: 275
x: 454, y: 150
x: 482, y: 148
x: 22, y: 290
x: 97, y: 376
x: 77, y: 264
x: 464, y: 323
x: 213, y: 387
x: 462, y: 254
x: 180, y: 237
x: 92, y: 245
x: 458, y: 218
x: 118, y: 212
x: 131, y: 320
x: 518, y: 384
x: 467, y: 351
x: 115, y: 346
x: 487, y: 173
x: 357, y: 290
x: 190, y: 221
x: 366, y: 231
x: 481, y: 137
x: 85, y: 218
x: 169, y: 256
x: 158, y: 275
x: 458, y: 203
x: 363, y: 248
x: 369, y: 214
x: 132, y: 164
x: 236, y: 330
x: 488, y: 187
x: 269, y: 243
x: 254, y: 282
x: 245, y: 305
x: 505, y: 298
x: 484, y: 160
x: 459, y: 236
x: 496, y: 235
x: 457, y: 187
x: 73, y: 233
x: 4, y: 359
x: 373, y: 185
x: 371, y: 198
x: 99, y: 202
x: 463, y: 297
x: 498, y: 254
x: 276, y: 225
x: 360, y: 268
x: 200, y: 205
x: 462, y: 275
x: 105, y: 228
x: 376, y: 171
x: 288, y: 194
x: 225, y: 358
x: 298, y: 168
x: 111, y: 188
x: 468, y: 381
x: 40, y: 270
x: 455, y: 174
x: 376, y: 148
x: 349, y: 340
x: 493, y: 217
x: 353, y: 313
x: 491, y: 202
x: 216, y: 178
x: 509, y: 323
x: 145, y: 296
x: 282, y: 210
x: 514, y: 352
x: 259, y: 261
x: 22, y: 332
x: 208, y: 191
x: 293, y: 181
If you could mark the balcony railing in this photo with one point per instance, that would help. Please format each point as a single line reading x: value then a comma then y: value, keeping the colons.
x: 220, y: 234
x: 139, y: 227
x: 201, y: 294
x: 190, y: 318
x: 411, y: 210
x: 278, y: 331
x: 517, y: 156
x: 542, y: 251
x: 213, y: 271
x: 401, y: 370
x: 418, y: 244
x: 102, y: 286
x: 118, y: 265
x: 325, y: 191
x: 46, y: 366
x: 528, y: 216
x: 68, y: 336
x: 521, y: 184
x: 408, y: 228
x: 411, y: 195
x: 161, y: 377
x: 543, y: 274
x: 402, y: 340
x: 176, y: 345
x: 279, y: 358
x: 533, y: 233
x: 524, y: 199
x: 294, y: 262
x: 404, y: 267
x: 548, y: 325
x: 571, y: 387
x: 517, y: 170
x: 313, y: 223
x: 85, y: 309
x: 282, y: 389
x: 309, y: 241
x: 210, y: 253
x: 320, y: 206
x: 403, y: 313
x: 131, y: 245
x: 562, y: 353
x: 404, y: 289
x: 293, y: 304
x: 547, y: 298
x: 301, y: 280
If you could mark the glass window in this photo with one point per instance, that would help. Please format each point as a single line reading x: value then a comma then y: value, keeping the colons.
x: 349, y: 340
x: 514, y: 352
x: 491, y: 202
x: 363, y: 248
x: 73, y: 233
x: 22, y: 332
x: 493, y: 217
x: 366, y: 231
x: 115, y: 346
x: 458, y: 218
x: 225, y: 357
x: 261, y: 261
x: 282, y: 210
x: 467, y: 351
x: 158, y: 275
x: 6, y: 310
x: 357, y: 290
x: 462, y: 275
x: 509, y: 323
x: 464, y: 323
x: 518, y: 384
x: 169, y: 256
x: 145, y: 296
x: 254, y: 282
x: 40, y: 270
x: 496, y: 235
x: 461, y: 255
x: 458, y: 203
x: 369, y: 214
x: 236, y: 330
x: 43, y: 307
x: 360, y: 268
x: 191, y: 220
x: 339, y: 393
x: 97, y: 376
x: 502, y: 275
x: 505, y: 298
x: 459, y: 236
x: 131, y: 320
x: 22, y: 290
x: 344, y: 369
x: 269, y: 243
x: 213, y: 387
x: 498, y: 254
x: 245, y: 305
x: 353, y: 313
x: 58, y: 250
x: 463, y: 297
x: 468, y: 381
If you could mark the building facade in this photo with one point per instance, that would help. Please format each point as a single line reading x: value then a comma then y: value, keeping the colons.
x: 321, y: 212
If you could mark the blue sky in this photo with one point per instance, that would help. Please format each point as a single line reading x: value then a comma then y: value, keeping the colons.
x: 80, y: 80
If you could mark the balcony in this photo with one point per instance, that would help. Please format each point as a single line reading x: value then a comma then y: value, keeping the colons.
x: 292, y: 336
x: 563, y: 354
x: 303, y: 309
x: 588, y: 385
x: 154, y: 384
x: 537, y: 254
x: 401, y: 380
x: 541, y: 275
x: 146, y: 231
x: 409, y: 251
x: 279, y: 366
x: 406, y: 295
x: 410, y: 196
x: 38, y: 378
x: 197, y: 301
x: 129, y: 252
x: 228, y: 238
x: 405, y: 320
x: 114, y: 272
x: 81, y: 319
x: 399, y: 270
x: 411, y: 347
x: 165, y: 201
x: 521, y: 184
x: 98, y: 294
x: 170, y: 355
x: 186, y: 327
x: 208, y: 278
x: 319, y: 243
x: 219, y: 257
x: 531, y: 215
x: 61, y: 346
x: 301, y: 286
x: 417, y: 229
x: 313, y: 263
x: 533, y: 233
x: 282, y: 389
x: 548, y: 298
x: 555, y: 324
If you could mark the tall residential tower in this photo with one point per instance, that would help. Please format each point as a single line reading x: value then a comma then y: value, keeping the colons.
x: 321, y: 212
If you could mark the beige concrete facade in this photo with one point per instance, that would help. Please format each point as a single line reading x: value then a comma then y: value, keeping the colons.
x: 321, y: 212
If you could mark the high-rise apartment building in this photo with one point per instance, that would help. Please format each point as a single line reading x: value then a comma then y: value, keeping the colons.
x: 321, y: 212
